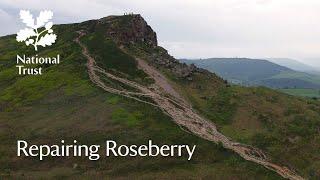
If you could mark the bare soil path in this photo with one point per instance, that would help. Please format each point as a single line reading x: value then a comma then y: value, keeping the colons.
x: 171, y: 103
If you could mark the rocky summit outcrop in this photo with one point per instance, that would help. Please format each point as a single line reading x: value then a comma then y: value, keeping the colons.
x: 132, y: 29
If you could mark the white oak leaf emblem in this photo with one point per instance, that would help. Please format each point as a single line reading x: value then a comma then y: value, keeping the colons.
x: 39, y: 34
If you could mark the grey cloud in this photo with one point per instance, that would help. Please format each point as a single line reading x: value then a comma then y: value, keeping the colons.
x: 204, y: 28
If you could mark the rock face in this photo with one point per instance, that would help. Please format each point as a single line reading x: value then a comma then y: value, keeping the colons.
x: 130, y: 29
x: 133, y: 29
x: 141, y: 31
x: 181, y: 70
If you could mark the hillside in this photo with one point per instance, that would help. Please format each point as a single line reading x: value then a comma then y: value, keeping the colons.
x: 256, y: 72
x: 115, y: 82
x: 294, y: 64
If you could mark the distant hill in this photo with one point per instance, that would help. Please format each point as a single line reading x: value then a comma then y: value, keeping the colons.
x: 256, y: 72
x: 294, y: 64
x: 115, y: 83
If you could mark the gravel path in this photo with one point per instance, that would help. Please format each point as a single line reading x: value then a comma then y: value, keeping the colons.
x: 171, y: 103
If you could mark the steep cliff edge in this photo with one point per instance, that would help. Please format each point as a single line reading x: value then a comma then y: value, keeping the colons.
x: 64, y: 103
x: 257, y: 116
x: 133, y: 31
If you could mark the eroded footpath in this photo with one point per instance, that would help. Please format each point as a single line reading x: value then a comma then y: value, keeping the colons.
x: 171, y: 103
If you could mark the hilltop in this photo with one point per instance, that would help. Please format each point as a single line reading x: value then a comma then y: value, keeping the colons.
x: 94, y: 94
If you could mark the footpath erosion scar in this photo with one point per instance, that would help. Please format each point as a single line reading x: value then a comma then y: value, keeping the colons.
x: 171, y: 103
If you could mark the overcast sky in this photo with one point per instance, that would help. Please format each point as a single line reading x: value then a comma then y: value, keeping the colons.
x: 200, y: 28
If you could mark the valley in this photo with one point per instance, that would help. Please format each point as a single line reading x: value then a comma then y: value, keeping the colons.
x: 259, y: 72
x: 115, y: 82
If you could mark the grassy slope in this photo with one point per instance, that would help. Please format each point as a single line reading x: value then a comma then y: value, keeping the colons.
x: 64, y: 104
x: 299, y: 75
x: 271, y: 75
x: 297, y: 91
x: 312, y: 93
x: 287, y: 128
x: 284, y: 126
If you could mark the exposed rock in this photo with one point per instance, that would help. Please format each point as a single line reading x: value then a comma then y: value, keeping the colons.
x: 130, y: 29
x: 181, y: 70
x: 133, y: 29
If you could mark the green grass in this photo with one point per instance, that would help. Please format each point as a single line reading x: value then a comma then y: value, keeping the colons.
x: 109, y: 56
x: 123, y: 116
x: 303, y: 92
x: 280, y: 124
x: 298, y: 75
x: 64, y: 104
